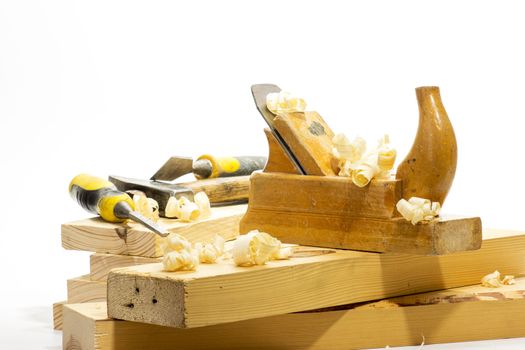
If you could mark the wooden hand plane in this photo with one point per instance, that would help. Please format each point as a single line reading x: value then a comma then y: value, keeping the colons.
x: 299, y: 199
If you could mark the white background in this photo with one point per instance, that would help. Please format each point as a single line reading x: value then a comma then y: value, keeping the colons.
x: 116, y: 87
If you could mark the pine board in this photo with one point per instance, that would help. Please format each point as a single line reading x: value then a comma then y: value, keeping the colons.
x: 82, y: 290
x: 221, y: 293
x: 96, y: 235
x: 101, y: 264
x: 57, y: 315
x: 445, y: 319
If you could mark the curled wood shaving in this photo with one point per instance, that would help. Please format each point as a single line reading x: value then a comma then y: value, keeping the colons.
x: 186, y: 210
x: 180, y: 261
x: 360, y: 165
x: 418, y: 209
x: 182, y: 208
x: 148, y: 207
x: 284, y: 102
x: 175, y: 243
x: 253, y: 248
x: 203, y: 202
x: 178, y: 254
x: 494, y: 280
x: 209, y: 252
x: 171, y: 208
x: 351, y: 151
x: 386, y: 157
x: 365, y: 170
x: 257, y: 248
x: 284, y: 253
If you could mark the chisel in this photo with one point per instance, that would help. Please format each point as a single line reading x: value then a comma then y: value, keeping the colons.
x: 208, y: 167
x: 101, y: 197
x: 221, y: 191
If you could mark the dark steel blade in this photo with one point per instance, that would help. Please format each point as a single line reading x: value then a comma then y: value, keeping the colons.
x: 259, y: 92
x: 135, y: 216
x: 174, y: 168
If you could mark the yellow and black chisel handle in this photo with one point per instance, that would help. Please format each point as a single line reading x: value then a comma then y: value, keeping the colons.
x: 101, y: 197
x: 208, y: 166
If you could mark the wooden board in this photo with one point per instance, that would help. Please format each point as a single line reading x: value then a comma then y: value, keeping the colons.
x: 82, y: 290
x: 101, y: 264
x: 452, y: 316
x: 332, y: 212
x: 221, y: 293
x: 58, y: 315
x: 96, y: 235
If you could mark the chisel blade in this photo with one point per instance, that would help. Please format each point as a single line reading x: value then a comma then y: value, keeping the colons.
x: 174, y: 168
x: 135, y: 216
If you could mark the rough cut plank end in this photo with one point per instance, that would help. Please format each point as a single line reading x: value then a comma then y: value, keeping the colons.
x: 82, y: 290
x: 457, y: 235
x: 154, y: 301
x: 58, y: 315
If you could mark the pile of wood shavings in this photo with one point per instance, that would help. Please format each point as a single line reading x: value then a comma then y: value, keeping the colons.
x: 361, y: 166
x: 494, y: 280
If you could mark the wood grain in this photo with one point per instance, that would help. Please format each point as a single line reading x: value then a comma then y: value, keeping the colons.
x: 82, y: 290
x: 101, y: 264
x: 332, y: 212
x: 444, y: 236
x: 222, y: 189
x: 278, y: 161
x: 96, y: 235
x: 429, y: 168
x: 310, y: 140
x: 58, y: 315
x: 379, y: 324
x: 221, y: 293
x: 323, y: 195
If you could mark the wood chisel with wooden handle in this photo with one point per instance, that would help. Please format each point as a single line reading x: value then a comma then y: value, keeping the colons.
x: 208, y: 167
x: 101, y: 197
x: 220, y: 191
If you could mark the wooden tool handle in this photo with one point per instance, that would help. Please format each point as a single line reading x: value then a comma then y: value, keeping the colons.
x: 428, y: 169
x: 220, y: 190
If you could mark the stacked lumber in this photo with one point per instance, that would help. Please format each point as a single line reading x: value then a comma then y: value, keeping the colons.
x: 117, y: 245
x: 320, y: 298
x: 314, y: 278
x: 445, y: 316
